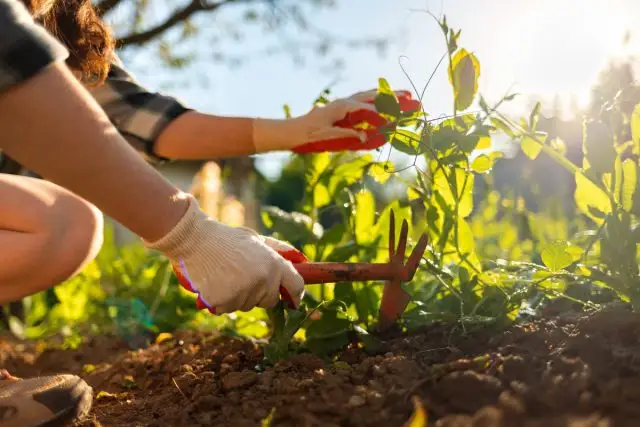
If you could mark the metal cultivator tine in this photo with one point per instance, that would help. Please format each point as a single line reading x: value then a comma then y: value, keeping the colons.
x: 394, y: 298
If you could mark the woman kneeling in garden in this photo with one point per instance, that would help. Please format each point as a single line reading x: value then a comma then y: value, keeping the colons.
x: 79, y: 125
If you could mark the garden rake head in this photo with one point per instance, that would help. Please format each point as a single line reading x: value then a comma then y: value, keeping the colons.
x: 394, y: 298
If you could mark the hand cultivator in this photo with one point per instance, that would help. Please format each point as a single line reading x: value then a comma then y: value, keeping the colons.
x: 394, y: 298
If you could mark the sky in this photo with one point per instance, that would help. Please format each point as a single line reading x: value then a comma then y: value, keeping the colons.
x: 539, y: 48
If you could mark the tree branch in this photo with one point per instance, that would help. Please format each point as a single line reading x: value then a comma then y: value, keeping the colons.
x: 177, y: 17
x: 105, y: 6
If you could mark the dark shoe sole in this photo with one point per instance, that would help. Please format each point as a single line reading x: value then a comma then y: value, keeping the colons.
x: 79, y: 410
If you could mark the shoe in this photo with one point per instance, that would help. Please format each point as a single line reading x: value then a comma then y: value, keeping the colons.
x: 49, y: 401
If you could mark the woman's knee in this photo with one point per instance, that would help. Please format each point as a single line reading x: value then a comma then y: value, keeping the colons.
x: 76, y: 234
x: 47, y: 235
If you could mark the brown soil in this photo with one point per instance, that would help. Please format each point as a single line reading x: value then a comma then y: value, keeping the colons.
x: 581, y: 372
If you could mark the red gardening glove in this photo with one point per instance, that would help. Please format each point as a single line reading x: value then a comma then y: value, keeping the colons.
x: 374, y: 137
x: 285, y: 250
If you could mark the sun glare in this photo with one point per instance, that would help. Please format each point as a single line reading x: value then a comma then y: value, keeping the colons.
x: 567, y: 42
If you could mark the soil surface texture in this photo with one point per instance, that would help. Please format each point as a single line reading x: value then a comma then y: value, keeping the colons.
x: 569, y: 371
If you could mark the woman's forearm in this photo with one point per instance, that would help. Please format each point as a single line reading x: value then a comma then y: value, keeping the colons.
x: 195, y: 136
x: 70, y: 141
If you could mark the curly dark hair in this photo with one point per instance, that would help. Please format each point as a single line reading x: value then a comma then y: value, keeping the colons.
x: 78, y: 26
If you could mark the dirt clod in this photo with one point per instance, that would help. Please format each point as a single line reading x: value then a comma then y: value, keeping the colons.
x: 237, y: 380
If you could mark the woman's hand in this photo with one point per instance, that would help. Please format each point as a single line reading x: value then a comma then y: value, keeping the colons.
x: 331, y: 127
x: 283, y: 249
x: 229, y: 268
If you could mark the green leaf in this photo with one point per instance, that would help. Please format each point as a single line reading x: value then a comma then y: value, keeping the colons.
x: 455, y: 187
x: 482, y: 163
x: 556, y: 255
x: 329, y: 333
x: 344, y: 292
x: 294, y: 226
x: 630, y: 179
x: 532, y: 146
x: 333, y: 322
x: 319, y: 163
x: 413, y: 194
x: 386, y: 101
x: 463, y: 76
x: 452, y: 41
x: 483, y: 143
x: 589, y: 196
x: 286, y: 322
x: 365, y: 217
x: 321, y: 196
x: 407, y: 142
x: 348, y: 173
x: 382, y: 171
x: 342, y: 253
x: 334, y: 235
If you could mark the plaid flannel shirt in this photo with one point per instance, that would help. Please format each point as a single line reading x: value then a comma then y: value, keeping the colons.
x: 139, y: 115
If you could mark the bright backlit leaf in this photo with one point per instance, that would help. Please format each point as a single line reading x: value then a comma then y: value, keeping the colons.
x: 483, y: 143
x: 557, y: 255
x: 365, y: 217
x: 321, y: 196
x: 463, y: 76
x: 455, y: 186
x: 589, y: 196
x: 482, y: 163
x: 382, y: 171
x: 532, y: 145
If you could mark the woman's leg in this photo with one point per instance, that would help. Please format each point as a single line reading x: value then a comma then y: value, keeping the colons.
x: 47, y: 234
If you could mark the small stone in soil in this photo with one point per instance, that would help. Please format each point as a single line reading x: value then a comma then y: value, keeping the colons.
x: 355, y: 401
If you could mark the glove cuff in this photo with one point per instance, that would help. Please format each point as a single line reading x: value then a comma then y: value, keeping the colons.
x: 181, y: 240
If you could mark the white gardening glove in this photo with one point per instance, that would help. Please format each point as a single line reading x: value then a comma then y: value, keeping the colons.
x: 331, y: 127
x: 230, y: 268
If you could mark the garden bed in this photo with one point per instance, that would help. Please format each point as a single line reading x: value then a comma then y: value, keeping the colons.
x: 577, y: 370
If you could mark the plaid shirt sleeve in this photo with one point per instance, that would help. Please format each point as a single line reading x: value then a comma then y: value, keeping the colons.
x: 139, y: 115
x: 25, y: 47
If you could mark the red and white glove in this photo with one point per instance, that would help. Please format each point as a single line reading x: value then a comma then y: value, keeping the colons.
x: 229, y: 268
x: 285, y: 250
x: 331, y: 127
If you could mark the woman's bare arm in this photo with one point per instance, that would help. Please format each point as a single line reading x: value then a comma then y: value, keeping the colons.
x: 196, y: 135
x: 53, y: 126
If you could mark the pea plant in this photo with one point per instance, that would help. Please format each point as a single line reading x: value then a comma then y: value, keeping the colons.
x: 490, y: 258
x: 437, y: 197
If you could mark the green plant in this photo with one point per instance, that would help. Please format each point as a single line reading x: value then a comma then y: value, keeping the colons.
x: 490, y: 259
